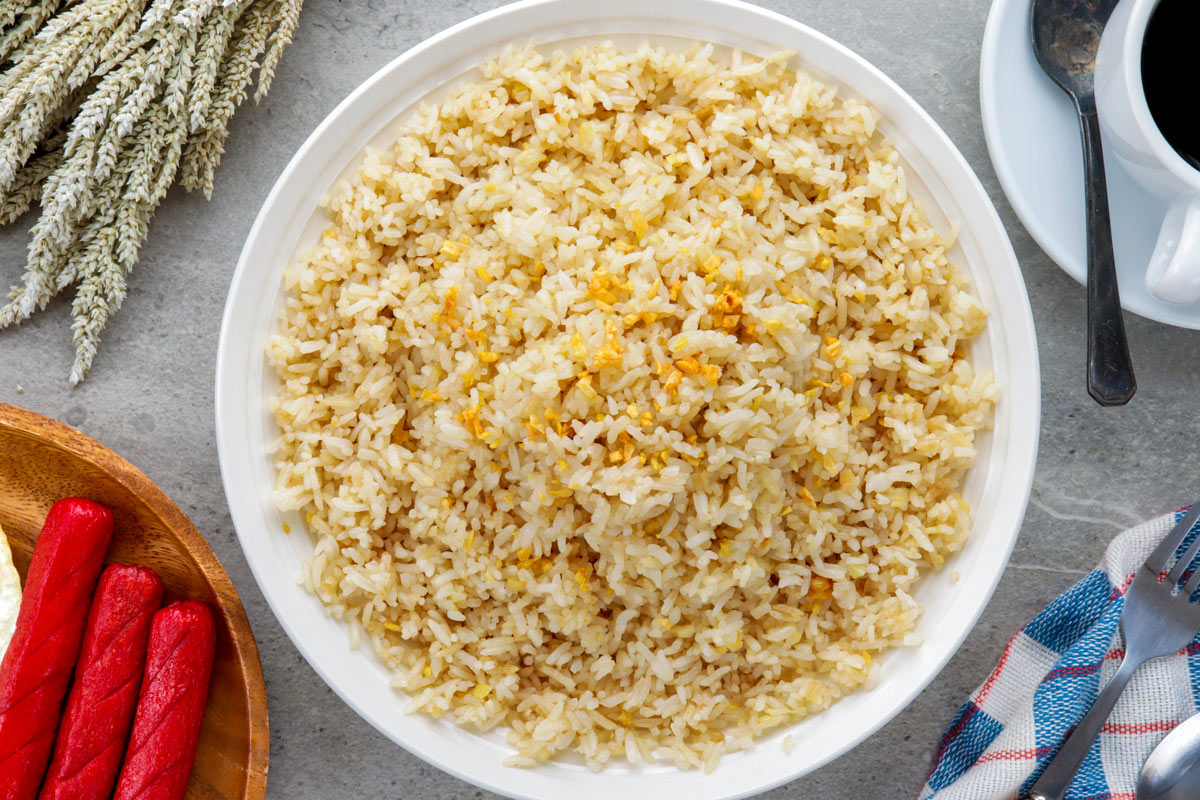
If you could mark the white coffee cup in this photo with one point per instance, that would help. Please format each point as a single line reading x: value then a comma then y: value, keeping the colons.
x: 1131, y: 135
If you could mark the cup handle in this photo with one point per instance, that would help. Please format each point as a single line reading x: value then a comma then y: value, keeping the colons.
x: 1174, y: 272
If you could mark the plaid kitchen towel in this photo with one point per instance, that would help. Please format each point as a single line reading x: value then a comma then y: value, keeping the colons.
x: 1048, y: 677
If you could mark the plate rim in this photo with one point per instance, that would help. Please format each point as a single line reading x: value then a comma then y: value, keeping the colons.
x: 972, y: 192
x: 988, y: 69
x: 51, y: 432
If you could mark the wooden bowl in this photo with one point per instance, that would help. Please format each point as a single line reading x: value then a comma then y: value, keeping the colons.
x: 42, y: 461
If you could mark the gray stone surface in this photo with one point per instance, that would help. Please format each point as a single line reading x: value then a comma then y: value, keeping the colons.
x: 150, y: 394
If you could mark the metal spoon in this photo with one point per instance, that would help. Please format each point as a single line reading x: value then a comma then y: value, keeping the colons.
x: 1066, y: 35
x: 1172, y: 772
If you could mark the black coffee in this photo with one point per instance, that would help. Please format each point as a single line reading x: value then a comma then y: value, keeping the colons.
x: 1169, y: 69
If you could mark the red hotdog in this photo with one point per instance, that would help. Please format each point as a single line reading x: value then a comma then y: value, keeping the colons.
x: 37, y: 666
x: 170, y: 710
x: 99, y: 711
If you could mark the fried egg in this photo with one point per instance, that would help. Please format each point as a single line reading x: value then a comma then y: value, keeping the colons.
x: 10, y: 594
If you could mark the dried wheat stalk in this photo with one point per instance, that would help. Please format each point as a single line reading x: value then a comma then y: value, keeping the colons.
x: 104, y: 104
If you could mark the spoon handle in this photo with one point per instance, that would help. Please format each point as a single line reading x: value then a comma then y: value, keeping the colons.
x: 1110, y: 378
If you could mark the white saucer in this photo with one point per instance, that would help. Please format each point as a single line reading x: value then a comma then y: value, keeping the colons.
x: 1033, y: 138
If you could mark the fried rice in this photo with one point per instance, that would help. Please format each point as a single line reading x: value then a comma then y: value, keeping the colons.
x: 627, y: 396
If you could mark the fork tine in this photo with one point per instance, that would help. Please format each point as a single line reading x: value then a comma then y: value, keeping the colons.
x: 1181, y: 565
x: 1161, y: 556
x: 1193, y: 583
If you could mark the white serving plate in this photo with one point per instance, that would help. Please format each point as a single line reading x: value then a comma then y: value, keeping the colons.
x: 998, y: 487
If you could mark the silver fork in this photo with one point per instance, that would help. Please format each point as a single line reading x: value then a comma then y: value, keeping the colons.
x: 1156, y: 621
